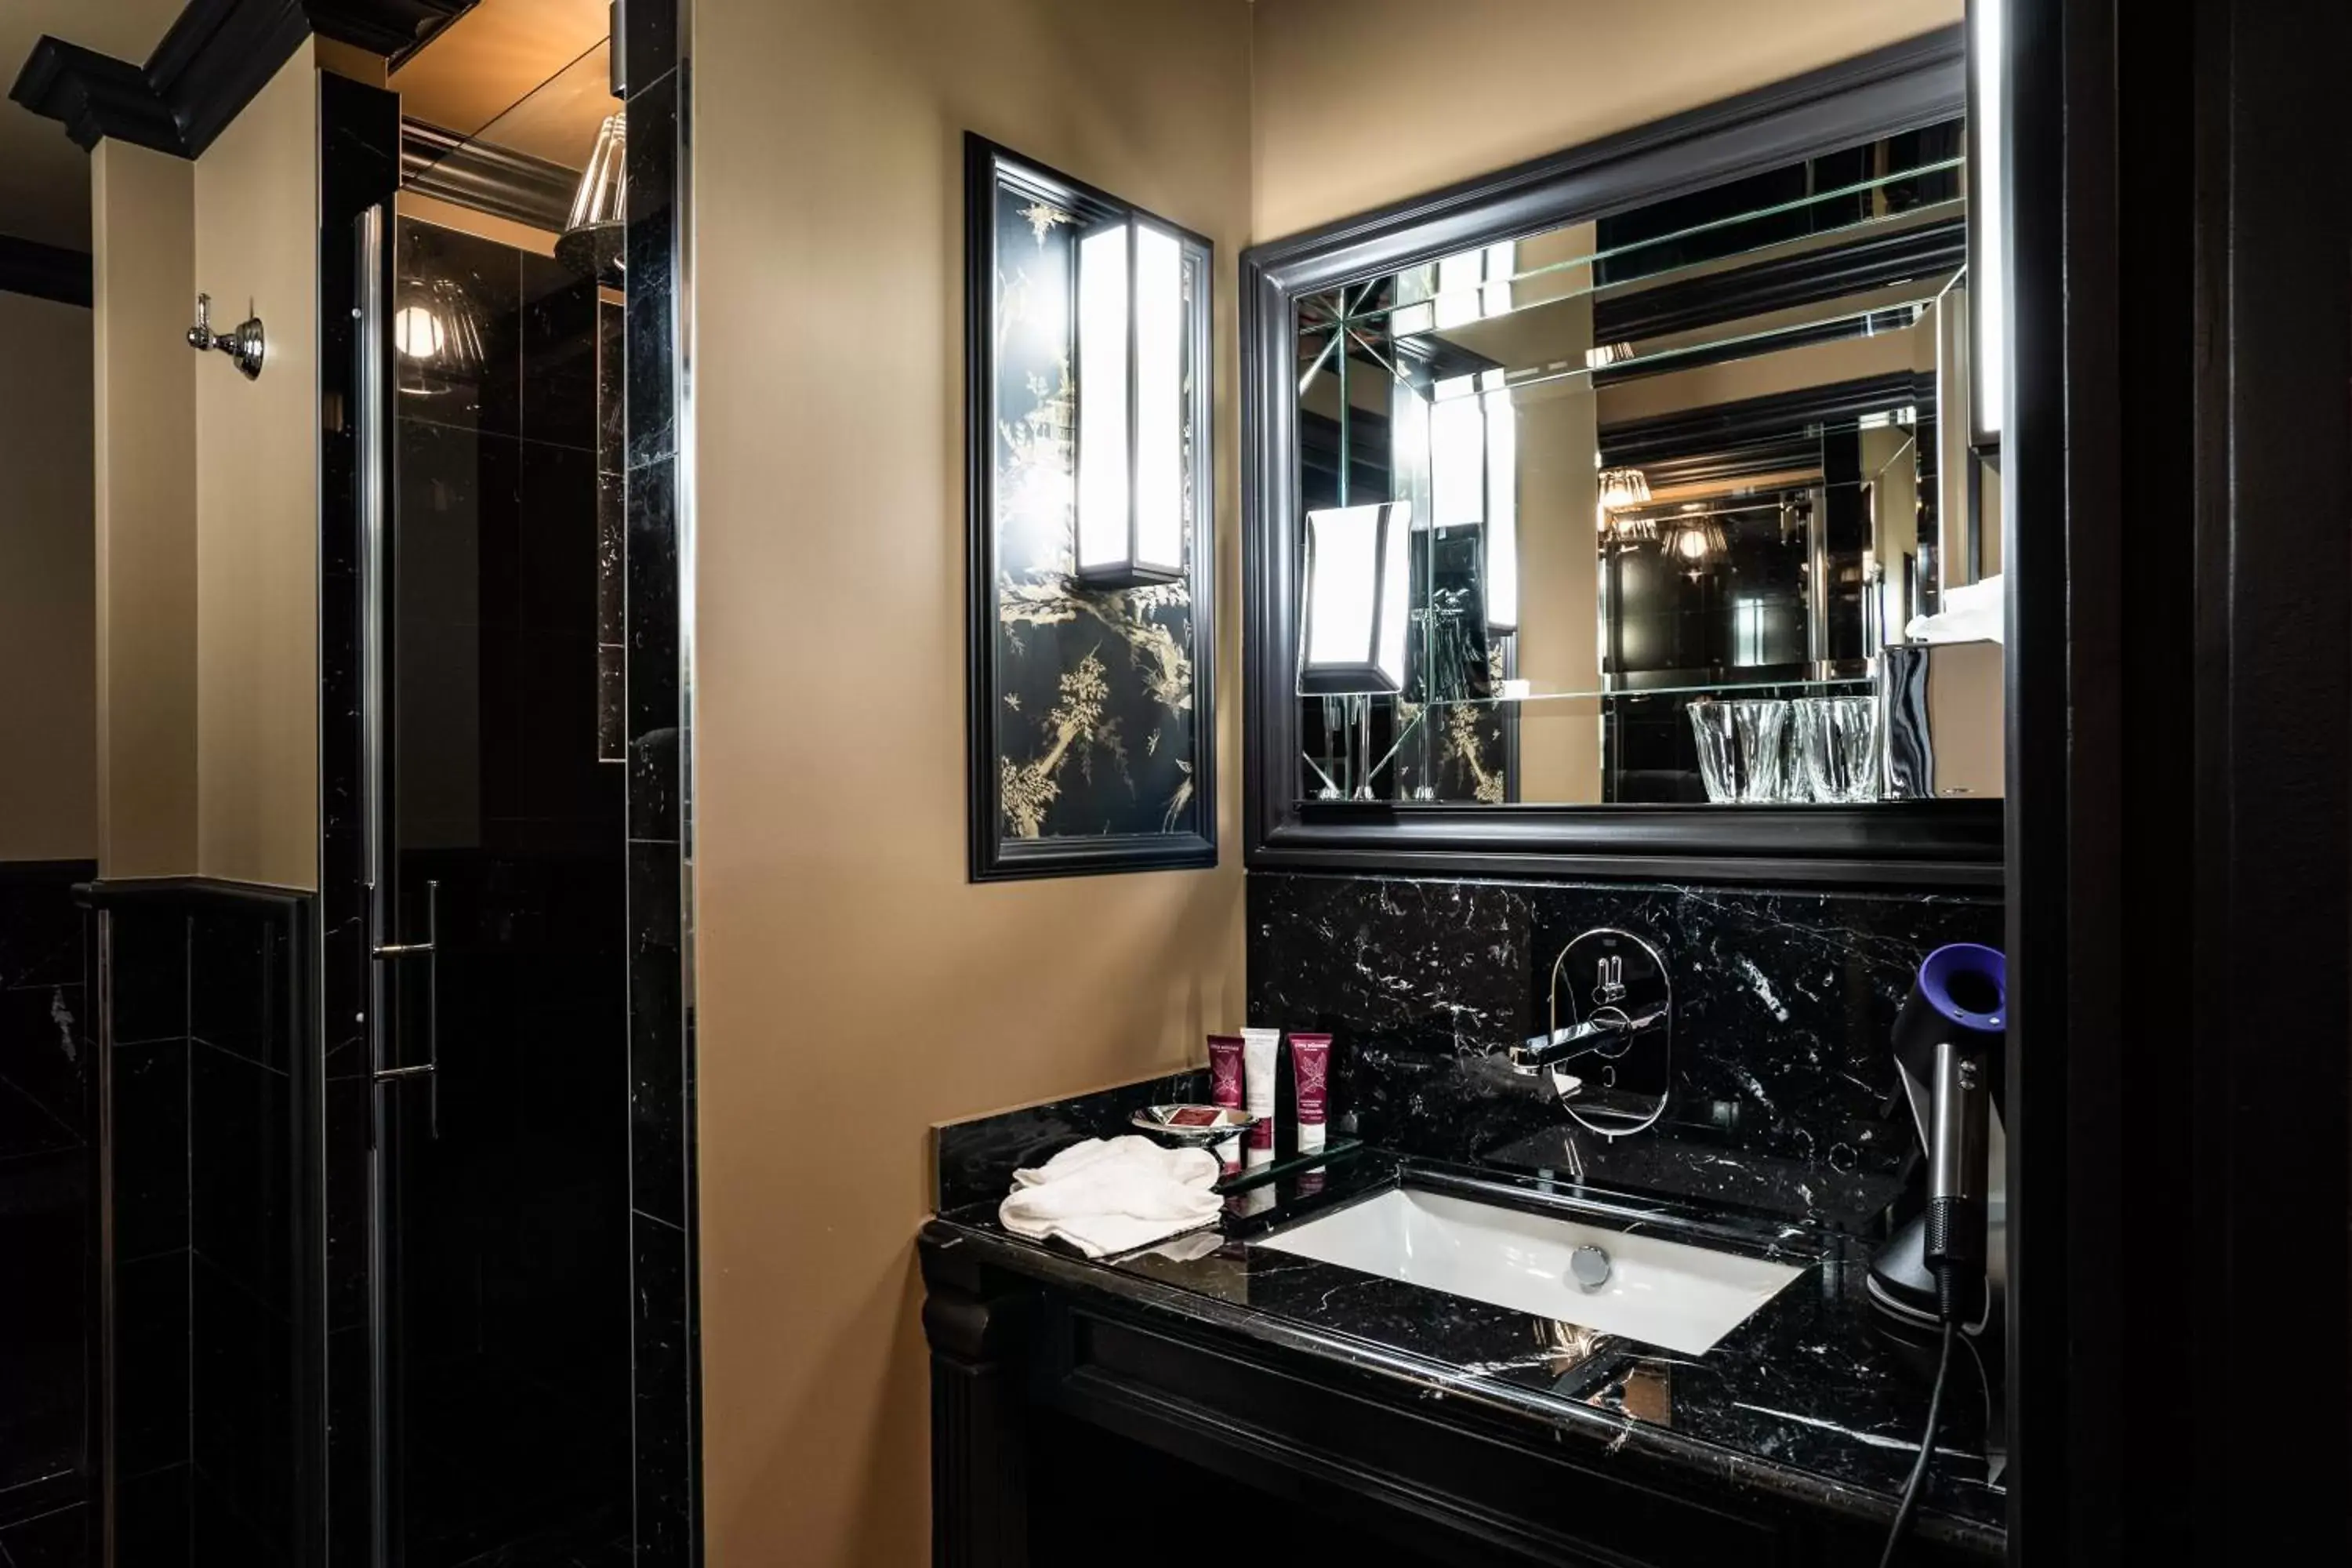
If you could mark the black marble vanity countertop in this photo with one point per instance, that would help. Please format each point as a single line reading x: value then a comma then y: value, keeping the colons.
x: 1805, y: 1399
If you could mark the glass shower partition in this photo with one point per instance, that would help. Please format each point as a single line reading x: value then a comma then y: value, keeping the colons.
x: 495, y: 851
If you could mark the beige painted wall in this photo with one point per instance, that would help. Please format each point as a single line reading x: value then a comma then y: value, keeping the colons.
x: 1559, y: 595
x: 142, y: 242
x: 1359, y: 103
x: 854, y: 988
x: 1560, y: 568
x: 206, y: 502
x: 257, y: 486
x: 49, y: 607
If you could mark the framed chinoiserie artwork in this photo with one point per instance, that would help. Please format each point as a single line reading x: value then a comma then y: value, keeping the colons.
x: 1092, y: 560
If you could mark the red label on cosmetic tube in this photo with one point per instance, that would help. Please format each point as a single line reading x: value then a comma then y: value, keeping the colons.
x: 1310, y: 1072
x: 1225, y: 1069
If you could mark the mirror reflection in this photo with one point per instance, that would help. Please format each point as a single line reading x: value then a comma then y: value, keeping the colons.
x: 1675, y: 505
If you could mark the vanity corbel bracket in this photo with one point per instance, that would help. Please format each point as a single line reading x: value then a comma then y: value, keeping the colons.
x: 979, y: 1327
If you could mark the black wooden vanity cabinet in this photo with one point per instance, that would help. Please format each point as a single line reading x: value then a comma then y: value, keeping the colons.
x: 1076, y: 1424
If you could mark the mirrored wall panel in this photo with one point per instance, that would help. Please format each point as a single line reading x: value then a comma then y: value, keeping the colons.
x: 1675, y: 505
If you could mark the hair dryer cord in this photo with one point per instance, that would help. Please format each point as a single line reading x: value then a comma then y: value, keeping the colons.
x: 1927, y: 1439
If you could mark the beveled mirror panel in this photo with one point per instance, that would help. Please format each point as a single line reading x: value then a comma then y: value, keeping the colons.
x: 1669, y: 482
x: 1620, y: 512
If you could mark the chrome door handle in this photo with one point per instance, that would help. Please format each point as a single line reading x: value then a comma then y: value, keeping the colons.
x: 430, y: 950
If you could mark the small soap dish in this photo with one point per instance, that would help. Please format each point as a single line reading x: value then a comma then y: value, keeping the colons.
x: 1192, y: 1126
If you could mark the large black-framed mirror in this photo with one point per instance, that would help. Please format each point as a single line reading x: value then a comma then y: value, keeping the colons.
x: 1617, y: 513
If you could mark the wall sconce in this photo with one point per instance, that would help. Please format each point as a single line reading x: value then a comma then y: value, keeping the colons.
x: 1988, y: 261
x: 1502, y: 513
x: 1088, y: 431
x: 1130, y: 406
x: 1457, y: 454
x: 1474, y: 481
x: 1359, y: 599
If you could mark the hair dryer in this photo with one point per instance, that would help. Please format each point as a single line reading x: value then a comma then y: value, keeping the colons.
x: 1948, y: 1050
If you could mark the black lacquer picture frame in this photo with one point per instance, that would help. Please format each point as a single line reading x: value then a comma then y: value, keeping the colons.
x: 1091, y: 714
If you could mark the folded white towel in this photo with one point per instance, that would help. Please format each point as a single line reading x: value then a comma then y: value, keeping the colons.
x: 1194, y: 1168
x: 1972, y: 611
x: 1104, y: 1197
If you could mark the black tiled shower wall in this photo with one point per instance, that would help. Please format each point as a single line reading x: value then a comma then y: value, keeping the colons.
x: 656, y: 728
x: 207, y: 1047
x: 146, y: 954
x: 47, y: 1235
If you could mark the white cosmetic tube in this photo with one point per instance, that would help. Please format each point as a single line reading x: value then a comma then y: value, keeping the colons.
x: 1260, y: 1048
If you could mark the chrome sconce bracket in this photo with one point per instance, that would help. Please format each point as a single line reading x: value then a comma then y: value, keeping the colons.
x: 242, y: 345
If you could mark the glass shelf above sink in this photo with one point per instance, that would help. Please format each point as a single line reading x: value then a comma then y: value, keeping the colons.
x: 1840, y: 685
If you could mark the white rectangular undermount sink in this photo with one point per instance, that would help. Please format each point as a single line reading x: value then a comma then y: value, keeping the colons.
x: 1661, y: 1292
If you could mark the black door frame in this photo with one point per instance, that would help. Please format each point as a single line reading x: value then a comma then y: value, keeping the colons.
x: 2179, y: 480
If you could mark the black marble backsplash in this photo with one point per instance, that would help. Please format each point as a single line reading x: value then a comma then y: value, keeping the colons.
x: 1785, y: 1098
x: 976, y: 1158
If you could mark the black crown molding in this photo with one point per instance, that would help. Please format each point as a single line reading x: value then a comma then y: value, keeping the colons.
x: 44, y: 271
x: 495, y: 180
x: 209, y: 66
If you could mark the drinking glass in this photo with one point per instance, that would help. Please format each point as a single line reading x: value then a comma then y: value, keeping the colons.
x: 1837, y: 738
x: 1740, y: 748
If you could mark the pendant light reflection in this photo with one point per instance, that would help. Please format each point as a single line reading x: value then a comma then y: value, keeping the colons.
x: 1623, y: 533
x: 1694, y: 543
x: 419, y: 333
x: 591, y: 244
x: 1622, y: 487
x: 1357, y: 604
x: 1130, y: 406
x: 437, y: 337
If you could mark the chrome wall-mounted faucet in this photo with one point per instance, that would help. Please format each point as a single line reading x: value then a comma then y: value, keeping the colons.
x: 1609, y: 1052
x: 242, y: 345
x: 1532, y: 1056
